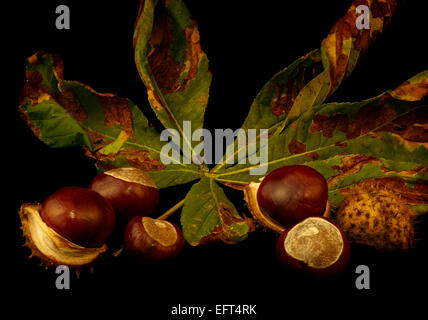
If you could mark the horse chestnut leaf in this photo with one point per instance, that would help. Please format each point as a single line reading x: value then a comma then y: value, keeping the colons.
x: 153, y: 239
x: 131, y: 191
x: 314, y: 245
x: 292, y: 193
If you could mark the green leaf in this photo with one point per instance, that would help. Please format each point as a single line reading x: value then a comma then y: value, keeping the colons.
x: 273, y: 103
x: 172, y: 65
x: 209, y: 216
x: 314, y: 93
x: 111, y: 129
x: 351, y: 142
x: 51, y: 123
x: 44, y: 70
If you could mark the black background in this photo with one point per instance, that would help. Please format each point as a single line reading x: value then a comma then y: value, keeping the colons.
x: 246, y: 44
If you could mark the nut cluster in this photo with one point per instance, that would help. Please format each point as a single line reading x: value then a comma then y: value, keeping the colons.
x: 73, y: 225
x: 292, y: 200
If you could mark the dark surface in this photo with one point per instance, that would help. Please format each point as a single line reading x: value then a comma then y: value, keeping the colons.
x: 246, y: 44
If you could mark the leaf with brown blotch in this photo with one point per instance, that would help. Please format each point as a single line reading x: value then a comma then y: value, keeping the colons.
x: 341, y: 50
x: 172, y: 65
x: 309, y: 80
x: 111, y: 129
x: 413, y: 89
x: 346, y: 44
x: 274, y: 101
x: 352, y: 142
x: 208, y: 216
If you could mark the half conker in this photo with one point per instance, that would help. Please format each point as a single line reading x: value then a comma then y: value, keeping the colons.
x: 153, y: 239
x: 80, y: 215
x: 131, y: 191
x: 314, y: 245
x: 292, y: 193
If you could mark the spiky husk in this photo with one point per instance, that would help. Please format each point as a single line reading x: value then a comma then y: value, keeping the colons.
x: 378, y: 218
x: 49, y: 246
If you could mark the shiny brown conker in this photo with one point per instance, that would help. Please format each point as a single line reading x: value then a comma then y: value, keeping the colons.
x: 153, y: 239
x: 131, y: 191
x: 316, y: 246
x: 80, y: 215
x: 292, y: 193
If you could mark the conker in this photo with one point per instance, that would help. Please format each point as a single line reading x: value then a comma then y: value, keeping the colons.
x: 292, y: 193
x: 314, y: 245
x: 131, y: 191
x: 153, y: 239
x: 80, y: 215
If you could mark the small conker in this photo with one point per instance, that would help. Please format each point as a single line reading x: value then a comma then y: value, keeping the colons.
x: 292, y: 193
x: 314, y: 245
x: 153, y: 239
x: 80, y: 215
x: 131, y: 191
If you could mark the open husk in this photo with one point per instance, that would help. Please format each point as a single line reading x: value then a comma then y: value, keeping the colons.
x: 49, y: 246
x: 250, y: 196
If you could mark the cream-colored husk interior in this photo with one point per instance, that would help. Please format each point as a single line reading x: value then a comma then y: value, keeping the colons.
x: 50, y: 245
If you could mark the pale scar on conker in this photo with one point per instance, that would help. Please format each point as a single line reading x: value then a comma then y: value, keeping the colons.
x: 314, y: 245
x: 153, y: 239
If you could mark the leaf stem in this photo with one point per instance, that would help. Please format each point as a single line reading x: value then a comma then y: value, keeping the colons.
x: 171, y: 210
